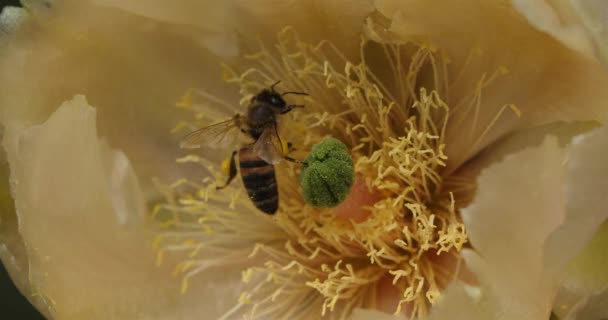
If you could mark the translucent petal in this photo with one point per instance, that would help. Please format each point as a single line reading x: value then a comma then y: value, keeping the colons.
x: 80, y: 217
x: 595, y: 307
x: 519, y: 140
x: 577, y: 250
x: 213, y: 22
x: 367, y: 314
x: 518, y: 204
x: 222, y: 22
x: 488, y: 74
x: 594, y: 16
x: 588, y: 271
x: 459, y: 302
x: 530, y: 225
x: 134, y: 69
x: 557, y: 18
x: 586, y: 191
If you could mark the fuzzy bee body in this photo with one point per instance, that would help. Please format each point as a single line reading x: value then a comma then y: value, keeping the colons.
x: 259, y: 117
x: 256, y: 160
x: 259, y: 179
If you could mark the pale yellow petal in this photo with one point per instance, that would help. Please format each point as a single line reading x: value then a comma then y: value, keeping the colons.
x: 135, y: 69
x: 558, y: 19
x: 586, y: 190
x: 80, y: 218
x: 535, y: 211
x: 221, y: 23
x: 212, y: 23
x: 340, y: 22
x: 519, y: 140
x: 519, y: 203
x: 588, y: 271
x: 595, y: 307
x: 503, y: 74
x: 577, y: 250
x: 368, y: 314
x: 460, y: 302
x: 584, y: 287
x: 204, y: 14
x: 594, y: 16
x: 572, y: 306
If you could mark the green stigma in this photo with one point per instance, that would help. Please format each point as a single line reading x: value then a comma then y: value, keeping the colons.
x: 328, y: 175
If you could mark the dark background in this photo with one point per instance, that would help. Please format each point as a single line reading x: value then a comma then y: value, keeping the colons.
x: 13, y: 306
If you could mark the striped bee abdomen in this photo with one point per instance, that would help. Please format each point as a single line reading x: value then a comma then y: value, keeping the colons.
x: 259, y: 180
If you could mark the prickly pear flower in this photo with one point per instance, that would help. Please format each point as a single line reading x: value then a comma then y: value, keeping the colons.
x: 475, y: 129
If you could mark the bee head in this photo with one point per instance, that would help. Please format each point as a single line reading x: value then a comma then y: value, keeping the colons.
x: 270, y: 97
x: 275, y: 99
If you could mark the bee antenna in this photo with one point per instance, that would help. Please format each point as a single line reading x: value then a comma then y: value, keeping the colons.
x: 294, y: 92
x: 274, y: 85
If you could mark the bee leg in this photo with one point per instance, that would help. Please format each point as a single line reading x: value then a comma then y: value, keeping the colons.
x: 290, y: 159
x: 291, y: 148
x: 231, y: 171
x: 291, y: 107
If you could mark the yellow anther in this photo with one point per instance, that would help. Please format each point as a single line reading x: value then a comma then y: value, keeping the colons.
x: 186, y: 100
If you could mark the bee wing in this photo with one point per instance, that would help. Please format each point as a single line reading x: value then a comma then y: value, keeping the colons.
x: 269, y: 146
x: 221, y: 134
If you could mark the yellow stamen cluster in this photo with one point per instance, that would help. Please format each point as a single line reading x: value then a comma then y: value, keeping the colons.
x: 305, y: 262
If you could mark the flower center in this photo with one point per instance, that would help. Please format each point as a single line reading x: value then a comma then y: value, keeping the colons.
x: 396, y: 230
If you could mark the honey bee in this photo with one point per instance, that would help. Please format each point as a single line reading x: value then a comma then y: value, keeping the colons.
x: 256, y: 160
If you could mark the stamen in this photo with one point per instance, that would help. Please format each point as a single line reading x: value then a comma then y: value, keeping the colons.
x: 305, y: 262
